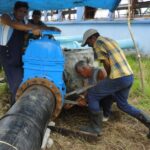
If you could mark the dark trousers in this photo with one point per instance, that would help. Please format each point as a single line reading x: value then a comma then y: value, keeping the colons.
x: 106, y: 104
x: 14, y: 75
x: 119, y: 88
x: 11, y: 60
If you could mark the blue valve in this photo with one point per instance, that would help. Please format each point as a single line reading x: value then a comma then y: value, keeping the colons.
x: 50, y: 32
x: 47, y: 32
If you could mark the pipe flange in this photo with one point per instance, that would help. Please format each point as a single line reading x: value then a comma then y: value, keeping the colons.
x: 48, y: 84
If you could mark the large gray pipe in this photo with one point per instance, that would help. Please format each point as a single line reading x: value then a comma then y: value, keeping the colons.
x: 23, y: 126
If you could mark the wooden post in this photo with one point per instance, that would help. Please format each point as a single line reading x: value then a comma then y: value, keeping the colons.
x: 135, y: 45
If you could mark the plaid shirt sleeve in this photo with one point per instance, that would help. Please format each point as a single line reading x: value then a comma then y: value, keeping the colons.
x: 101, y: 50
x: 108, y: 48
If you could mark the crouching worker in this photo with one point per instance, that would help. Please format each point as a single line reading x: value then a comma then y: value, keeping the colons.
x: 119, y: 80
x: 81, y: 101
x: 94, y: 75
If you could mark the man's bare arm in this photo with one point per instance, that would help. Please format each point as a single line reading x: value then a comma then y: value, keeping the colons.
x: 6, y: 20
x: 102, y: 74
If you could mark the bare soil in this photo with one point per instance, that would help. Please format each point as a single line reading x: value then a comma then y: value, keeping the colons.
x: 121, y: 132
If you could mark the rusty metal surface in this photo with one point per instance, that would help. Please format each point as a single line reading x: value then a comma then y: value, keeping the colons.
x: 47, y: 84
x: 23, y: 126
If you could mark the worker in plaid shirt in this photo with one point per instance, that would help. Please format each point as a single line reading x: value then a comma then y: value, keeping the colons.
x: 117, y: 83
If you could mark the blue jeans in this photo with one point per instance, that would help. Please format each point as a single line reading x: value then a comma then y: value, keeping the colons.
x: 106, y: 104
x: 119, y: 88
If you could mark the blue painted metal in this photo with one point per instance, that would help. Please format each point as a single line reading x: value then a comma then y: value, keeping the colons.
x: 117, y: 29
x: 74, y: 42
x: 44, y: 59
x: 7, y: 5
x: 49, y: 32
x: 126, y: 43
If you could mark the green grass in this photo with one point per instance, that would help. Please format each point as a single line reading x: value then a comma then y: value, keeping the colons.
x: 3, y: 88
x: 143, y: 97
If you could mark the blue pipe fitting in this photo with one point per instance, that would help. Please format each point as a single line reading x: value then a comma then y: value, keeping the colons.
x: 44, y: 59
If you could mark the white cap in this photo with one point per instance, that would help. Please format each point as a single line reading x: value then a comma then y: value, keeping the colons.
x: 88, y: 34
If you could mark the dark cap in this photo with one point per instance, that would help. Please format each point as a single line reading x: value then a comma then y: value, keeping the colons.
x: 37, y: 12
x: 20, y: 4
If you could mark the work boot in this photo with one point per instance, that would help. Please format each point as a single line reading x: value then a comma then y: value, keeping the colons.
x: 145, y: 119
x: 12, y: 100
x: 95, y: 123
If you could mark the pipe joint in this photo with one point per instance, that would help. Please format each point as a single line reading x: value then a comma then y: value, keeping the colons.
x: 48, y: 84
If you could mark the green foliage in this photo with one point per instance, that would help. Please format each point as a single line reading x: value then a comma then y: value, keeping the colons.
x: 143, y: 97
x: 3, y: 85
x: 3, y: 88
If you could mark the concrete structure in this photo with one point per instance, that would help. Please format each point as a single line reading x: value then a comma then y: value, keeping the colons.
x: 117, y: 29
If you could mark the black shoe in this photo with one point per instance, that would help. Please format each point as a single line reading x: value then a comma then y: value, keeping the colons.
x: 145, y: 119
x: 95, y: 123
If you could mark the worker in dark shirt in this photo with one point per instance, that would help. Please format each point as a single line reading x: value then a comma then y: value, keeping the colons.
x: 14, y: 27
x: 36, y: 18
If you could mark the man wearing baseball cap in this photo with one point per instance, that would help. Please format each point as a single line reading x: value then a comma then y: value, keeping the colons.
x: 88, y: 34
x: 118, y: 82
